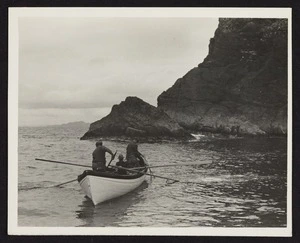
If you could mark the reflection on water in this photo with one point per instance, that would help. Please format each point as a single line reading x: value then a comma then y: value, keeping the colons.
x: 244, y: 186
x: 111, y: 212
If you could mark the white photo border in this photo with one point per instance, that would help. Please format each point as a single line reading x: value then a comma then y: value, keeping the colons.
x: 17, y: 12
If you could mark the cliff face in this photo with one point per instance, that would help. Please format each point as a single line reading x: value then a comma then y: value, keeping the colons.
x: 241, y: 86
x: 136, y: 118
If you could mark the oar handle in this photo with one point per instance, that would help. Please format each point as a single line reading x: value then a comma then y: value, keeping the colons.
x: 112, y: 158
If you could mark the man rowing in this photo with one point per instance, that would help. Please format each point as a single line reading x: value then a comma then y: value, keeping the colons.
x: 99, y: 159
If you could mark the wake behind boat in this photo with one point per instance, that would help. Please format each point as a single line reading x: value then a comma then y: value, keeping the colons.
x: 103, y: 186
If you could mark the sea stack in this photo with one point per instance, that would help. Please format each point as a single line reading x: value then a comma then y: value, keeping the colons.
x: 136, y: 118
x: 241, y: 86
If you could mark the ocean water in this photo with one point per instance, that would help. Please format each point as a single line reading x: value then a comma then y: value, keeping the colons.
x: 245, y: 185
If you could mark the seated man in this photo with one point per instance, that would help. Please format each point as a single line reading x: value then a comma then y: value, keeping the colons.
x: 133, y: 156
x: 121, y: 163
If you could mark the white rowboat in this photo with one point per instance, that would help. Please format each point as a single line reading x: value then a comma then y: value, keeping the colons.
x: 103, y: 186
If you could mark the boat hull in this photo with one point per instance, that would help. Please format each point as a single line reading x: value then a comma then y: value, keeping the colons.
x: 103, y: 188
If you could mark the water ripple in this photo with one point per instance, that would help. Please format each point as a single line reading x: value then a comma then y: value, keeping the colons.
x: 244, y: 186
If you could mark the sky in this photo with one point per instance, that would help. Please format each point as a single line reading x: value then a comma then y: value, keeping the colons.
x: 76, y: 69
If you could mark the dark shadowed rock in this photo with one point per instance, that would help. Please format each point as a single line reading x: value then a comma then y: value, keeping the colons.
x: 241, y: 86
x: 136, y: 118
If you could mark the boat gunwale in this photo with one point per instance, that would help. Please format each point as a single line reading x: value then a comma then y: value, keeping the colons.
x: 108, y: 175
x: 112, y: 180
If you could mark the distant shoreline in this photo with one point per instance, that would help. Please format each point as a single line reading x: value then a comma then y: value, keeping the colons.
x: 76, y: 123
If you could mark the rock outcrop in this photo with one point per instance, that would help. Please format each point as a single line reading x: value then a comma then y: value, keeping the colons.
x: 136, y: 118
x: 241, y: 86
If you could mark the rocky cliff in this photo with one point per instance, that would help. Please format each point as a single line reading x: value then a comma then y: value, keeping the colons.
x: 136, y: 118
x: 241, y: 86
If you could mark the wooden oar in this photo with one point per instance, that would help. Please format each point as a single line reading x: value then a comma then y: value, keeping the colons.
x: 42, y: 187
x: 184, y: 164
x: 60, y: 162
x: 158, y: 176
x: 144, y: 173
x: 118, y: 167
x: 63, y: 183
x: 112, y: 158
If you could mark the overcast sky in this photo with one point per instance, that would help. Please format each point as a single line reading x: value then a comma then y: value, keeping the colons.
x: 76, y: 69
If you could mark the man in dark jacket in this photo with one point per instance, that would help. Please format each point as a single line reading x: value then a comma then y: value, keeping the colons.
x: 99, y: 160
x: 133, y: 156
